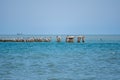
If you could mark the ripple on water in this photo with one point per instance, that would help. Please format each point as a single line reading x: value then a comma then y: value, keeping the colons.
x: 63, y: 61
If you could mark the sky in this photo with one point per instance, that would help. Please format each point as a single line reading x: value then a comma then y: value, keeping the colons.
x: 60, y: 16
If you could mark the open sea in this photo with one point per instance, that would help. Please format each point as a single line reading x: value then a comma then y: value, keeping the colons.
x: 96, y: 59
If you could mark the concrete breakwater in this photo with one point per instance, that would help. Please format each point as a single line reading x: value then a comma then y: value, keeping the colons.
x: 27, y: 40
x: 46, y: 39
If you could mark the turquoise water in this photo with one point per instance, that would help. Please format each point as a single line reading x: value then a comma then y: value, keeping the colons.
x: 96, y: 59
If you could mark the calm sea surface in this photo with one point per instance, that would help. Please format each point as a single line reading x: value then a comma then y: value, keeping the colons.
x: 96, y: 59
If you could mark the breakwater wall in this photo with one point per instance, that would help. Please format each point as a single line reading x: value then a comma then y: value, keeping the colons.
x: 46, y: 39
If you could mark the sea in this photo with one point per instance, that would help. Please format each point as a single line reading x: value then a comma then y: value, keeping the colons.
x: 98, y: 58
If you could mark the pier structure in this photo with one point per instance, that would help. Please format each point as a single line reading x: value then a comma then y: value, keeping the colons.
x: 79, y: 38
x: 70, y: 39
x: 83, y: 39
x: 58, y: 38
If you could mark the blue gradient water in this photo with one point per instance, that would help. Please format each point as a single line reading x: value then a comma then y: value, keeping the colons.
x: 93, y: 60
